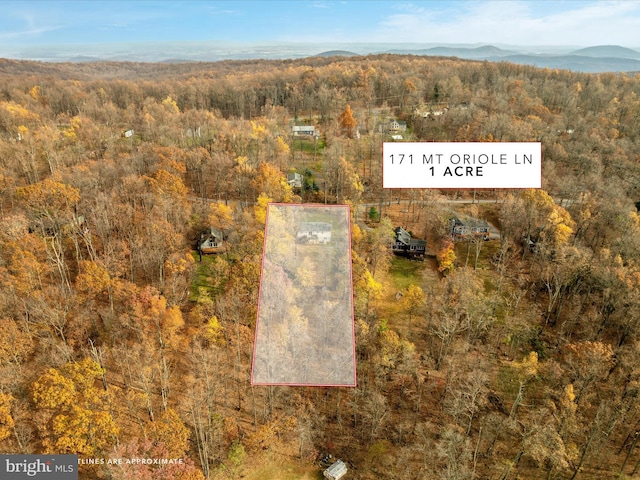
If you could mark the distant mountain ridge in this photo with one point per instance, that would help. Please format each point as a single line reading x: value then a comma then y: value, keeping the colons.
x: 596, y: 59
x: 477, y: 53
x: 578, y: 63
x: 337, y: 53
x: 613, y: 51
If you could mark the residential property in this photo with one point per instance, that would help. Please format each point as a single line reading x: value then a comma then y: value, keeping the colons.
x: 295, y: 180
x: 211, y: 241
x: 304, y: 131
x: 314, y: 233
x: 464, y: 228
x: 336, y: 471
x: 431, y: 111
x: 407, y: 246
x: 392, y: 126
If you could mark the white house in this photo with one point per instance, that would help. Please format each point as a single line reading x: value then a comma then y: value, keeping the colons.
x: 393, y: 126
x: 314, y: 233
x: 295, y: 180
x: 211, y: 241
x: 303, y: 130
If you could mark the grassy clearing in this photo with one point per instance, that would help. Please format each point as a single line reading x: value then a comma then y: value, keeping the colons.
x: 487, y: 251
x: 307, y: 146
x: 285, y: 470
x: 402, y: 273
x: 405, y: 272
x: 203, y: 278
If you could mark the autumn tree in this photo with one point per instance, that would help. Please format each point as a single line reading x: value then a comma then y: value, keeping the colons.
x: 347, y: 122
x: 152, y: 318
x: 375, y: 247
x: 50, y: 205
x: 6, y: 420
x: 446, y: 257
x: 414, y: 301
x: 74, y: 416
x: 588, y: 363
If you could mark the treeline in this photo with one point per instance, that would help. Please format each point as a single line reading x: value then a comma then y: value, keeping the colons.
x: 117, y: 341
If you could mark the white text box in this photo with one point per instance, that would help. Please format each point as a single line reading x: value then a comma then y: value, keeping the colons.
x: 462, y: 165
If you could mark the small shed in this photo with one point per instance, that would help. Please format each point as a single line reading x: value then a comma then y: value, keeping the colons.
x: 336, y: 471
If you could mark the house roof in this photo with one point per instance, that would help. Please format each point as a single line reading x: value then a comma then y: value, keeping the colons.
x: 402, y: 235
x: 214, y: 232
x: 469, y: 222
x: 418, y: 243
x: 315, y: 227
x: 337, y: 470
x: 294, y: 176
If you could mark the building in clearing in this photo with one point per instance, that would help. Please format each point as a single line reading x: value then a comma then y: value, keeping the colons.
x: 295, y: 180
x: 469, y: 227
x: 211, y: 241
x: 392, y: 126
x: 408, y: 246
x: 336, y: 471
x: 304, y: 130
x: 314, y: 233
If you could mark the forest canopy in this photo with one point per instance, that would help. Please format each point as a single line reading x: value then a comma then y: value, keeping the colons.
x: 511, y: 358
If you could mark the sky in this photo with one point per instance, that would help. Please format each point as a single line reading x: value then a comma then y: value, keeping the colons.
x: 549, y: 22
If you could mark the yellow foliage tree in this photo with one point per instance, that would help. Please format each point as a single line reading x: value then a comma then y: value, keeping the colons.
x: 75, y: 416
x: 14, y: 343
x: 260, y: 209
x: 170, y: 105
x: 273, y: 183
x: 281, y: 147
x: 171, y: 431
x: 154, y: 317
x: 220, y: 216
x: 446, y: 257
x: 166, y: 184
x: 6, y: 420
x: 413, y: 301
x: 48, y: 198
x: 367, y: 290
x: 94, y: 280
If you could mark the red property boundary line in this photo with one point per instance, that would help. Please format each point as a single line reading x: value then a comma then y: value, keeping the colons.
x: 353, y: 323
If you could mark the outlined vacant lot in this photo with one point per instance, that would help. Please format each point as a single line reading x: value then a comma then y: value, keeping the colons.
x: 305, y: 331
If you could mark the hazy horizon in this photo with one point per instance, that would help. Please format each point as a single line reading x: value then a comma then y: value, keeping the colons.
x: 577, y: 24
x: 215, y: 51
